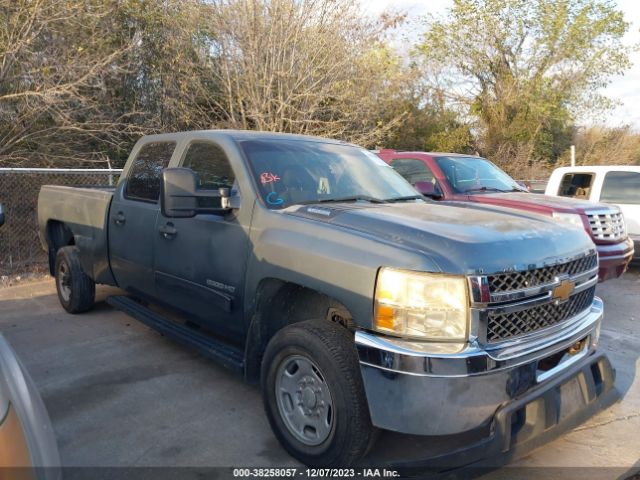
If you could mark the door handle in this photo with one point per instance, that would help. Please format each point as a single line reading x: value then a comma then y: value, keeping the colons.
x: 168, y: 230
x: 119, y: 218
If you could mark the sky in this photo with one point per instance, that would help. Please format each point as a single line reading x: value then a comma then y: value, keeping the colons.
x: 624, y: 89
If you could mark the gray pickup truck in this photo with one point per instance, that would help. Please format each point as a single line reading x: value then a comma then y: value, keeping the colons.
x: 311, y: 266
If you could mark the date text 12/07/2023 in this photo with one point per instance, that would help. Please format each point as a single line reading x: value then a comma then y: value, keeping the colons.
x: 315, y: 473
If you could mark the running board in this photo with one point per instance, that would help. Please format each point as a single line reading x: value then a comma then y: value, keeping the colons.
x: 212, y: 348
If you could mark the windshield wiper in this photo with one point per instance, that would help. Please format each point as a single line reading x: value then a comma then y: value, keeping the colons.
x: 403, y: 199
x: 363, y: 198
x: 485, y: 189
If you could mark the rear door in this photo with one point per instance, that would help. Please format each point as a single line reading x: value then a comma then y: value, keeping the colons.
x: 132, y: 219
x: 200, y: 268
x: 622, y: 188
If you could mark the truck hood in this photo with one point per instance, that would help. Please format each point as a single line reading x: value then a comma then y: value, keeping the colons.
x: 460, y: 238
x: 539, y: 203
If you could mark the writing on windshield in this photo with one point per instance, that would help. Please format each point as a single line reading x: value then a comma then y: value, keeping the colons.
x: 290, y: 172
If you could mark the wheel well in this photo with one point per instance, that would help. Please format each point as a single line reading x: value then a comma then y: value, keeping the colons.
x: 58, y: 235
x: 279, y: 304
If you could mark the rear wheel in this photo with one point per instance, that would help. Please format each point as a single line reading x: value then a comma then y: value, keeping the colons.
x: 314, y: 396
x: 76, y: 291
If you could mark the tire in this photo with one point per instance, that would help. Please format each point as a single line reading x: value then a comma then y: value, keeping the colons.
x: 314, y: 367
x: 76, y: 291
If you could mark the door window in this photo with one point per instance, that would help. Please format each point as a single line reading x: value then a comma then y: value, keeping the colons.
x: 576, y: 185
x: 213, y: 169
x: 145, y: 176
x: 211, y: 164
x: 621, y: 187
x: 413, y: 170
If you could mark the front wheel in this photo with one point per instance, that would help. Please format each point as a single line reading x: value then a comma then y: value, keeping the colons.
x: 76, y: 291
x: 313, y: 394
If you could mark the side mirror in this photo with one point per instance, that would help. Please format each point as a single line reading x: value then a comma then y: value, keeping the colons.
x: 180, y: 197
x: 428, y: 189
x: 1, y: 215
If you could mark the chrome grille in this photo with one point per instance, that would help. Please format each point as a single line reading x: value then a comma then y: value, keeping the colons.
x: 505, y: 282
x: 607, y: 226
x: 502, y: 326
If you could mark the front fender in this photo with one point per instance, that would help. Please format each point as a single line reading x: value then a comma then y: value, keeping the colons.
x: 329, y: 259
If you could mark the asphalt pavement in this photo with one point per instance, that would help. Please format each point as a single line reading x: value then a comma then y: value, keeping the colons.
x: 121, y: 395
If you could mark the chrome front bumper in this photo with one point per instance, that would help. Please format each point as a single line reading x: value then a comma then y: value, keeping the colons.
x: 443, y: 389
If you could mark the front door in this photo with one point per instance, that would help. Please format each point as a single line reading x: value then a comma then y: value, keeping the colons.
x: 132, y: 219
x: 622, y: 188
x: 200, y: 265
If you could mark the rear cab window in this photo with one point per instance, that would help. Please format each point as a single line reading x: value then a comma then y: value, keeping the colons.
x: 621, y: 188
x: 576, y: 185
x: 143, y: 183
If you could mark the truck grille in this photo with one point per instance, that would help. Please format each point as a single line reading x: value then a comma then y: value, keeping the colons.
x: 502, y: 326
x: 607, y: 226
x: 506, y: 282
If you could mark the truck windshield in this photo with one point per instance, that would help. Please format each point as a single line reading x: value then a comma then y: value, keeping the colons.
x: 290, y: 172
x: 476, y: 175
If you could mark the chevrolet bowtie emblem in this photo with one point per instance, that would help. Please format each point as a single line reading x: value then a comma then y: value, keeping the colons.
x: 563, y: 291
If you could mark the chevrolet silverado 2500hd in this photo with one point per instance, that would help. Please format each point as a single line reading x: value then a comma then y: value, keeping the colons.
x: 467, y: 178
x: 312, y: 266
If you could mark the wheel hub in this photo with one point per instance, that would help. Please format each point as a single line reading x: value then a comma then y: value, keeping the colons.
x: 304, y: 400
x: 309, y: 399
x: 64, y: 281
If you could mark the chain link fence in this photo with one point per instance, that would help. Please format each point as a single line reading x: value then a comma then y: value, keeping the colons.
x: 20, y: 250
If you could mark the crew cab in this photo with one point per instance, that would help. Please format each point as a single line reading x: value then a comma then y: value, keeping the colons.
x: 467, y: 178
x: 612, y: 184
x: 311, y: 266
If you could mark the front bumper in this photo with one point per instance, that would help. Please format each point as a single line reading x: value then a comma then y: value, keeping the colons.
x: 413, y: 390
x: 614, y: 259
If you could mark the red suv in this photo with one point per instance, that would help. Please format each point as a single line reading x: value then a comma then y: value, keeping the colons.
x: 467, y: 178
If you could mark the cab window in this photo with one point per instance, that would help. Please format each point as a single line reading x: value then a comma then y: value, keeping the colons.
x: 144, y: 179
x: 413, y: 170
x: 211, y: 164
x: 621, y: 187
x: 577, y: 185
x: 213, y: 170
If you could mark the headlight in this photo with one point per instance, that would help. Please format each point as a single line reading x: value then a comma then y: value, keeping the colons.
x: 572, y: 218
x: 424, y: 305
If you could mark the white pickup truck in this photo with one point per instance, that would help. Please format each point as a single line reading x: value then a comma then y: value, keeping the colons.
x: 617, y: 185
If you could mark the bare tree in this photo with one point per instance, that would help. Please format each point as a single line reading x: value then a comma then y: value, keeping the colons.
x: 312, y: 66
x: 52, y: 57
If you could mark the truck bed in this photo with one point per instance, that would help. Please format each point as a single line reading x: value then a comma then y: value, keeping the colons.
x: 85, y: 210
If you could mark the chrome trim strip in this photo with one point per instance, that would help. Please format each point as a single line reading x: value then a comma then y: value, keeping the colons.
x: 605, y: 211
x: 479, y: 289
x: 630, y: 253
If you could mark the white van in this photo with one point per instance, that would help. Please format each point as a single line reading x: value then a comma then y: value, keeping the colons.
x: 618, y: 185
